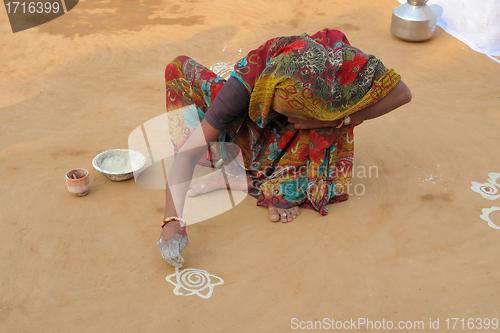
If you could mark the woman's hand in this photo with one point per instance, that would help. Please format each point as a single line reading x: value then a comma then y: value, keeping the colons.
x: 173, y: 240
x: 308, y: 124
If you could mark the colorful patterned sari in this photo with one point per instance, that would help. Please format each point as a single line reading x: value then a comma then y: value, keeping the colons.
x: 312, y: 77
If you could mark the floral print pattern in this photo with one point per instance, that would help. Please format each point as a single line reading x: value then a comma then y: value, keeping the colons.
x: 312, y: 77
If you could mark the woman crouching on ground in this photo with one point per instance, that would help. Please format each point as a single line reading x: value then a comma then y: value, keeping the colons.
x: 290, y: 106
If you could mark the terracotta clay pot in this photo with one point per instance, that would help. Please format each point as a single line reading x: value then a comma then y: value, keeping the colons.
x: 78, y: 182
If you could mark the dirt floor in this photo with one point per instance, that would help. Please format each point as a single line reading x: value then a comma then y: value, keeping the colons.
x: 411, y: 248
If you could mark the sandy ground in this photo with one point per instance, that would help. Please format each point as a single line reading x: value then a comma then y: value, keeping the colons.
x: 411, y: 248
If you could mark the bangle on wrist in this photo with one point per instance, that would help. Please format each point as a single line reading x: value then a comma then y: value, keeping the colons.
x: 173, y: 218
x: 344, y: 122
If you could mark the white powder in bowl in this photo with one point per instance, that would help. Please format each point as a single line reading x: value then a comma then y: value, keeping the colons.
x: 116, y: 164
x: 120, y: 162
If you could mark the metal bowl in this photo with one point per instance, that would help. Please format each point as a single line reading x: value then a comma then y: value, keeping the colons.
x: 119, y: 164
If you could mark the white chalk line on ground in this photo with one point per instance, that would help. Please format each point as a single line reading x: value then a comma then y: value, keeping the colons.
x: 488, y: 191
x: 223, y: 69
x: 194, y: 281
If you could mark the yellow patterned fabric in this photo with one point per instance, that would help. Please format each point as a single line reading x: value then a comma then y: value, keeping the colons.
x: 311, y: 77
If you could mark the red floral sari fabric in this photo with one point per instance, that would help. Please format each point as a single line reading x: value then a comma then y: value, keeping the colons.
x: 312, y: 77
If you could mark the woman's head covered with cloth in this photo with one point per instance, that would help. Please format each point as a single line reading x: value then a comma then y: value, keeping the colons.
x: 319, y: 76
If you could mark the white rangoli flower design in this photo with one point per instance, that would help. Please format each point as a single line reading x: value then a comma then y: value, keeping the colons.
x: 486, y: 216
x: 488, y: 190
x: 493, y: 178
x: 194, y: 281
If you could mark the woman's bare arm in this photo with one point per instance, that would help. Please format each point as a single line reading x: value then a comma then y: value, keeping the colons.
x: 399, y: 96
x: 181, y: 174
x: 182, y: 170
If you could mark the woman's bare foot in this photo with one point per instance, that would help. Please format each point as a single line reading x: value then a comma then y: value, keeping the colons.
x: 217, y: 180
x: 283, y: 214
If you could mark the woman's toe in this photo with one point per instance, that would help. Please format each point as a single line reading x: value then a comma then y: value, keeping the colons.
x: 283, y: 215
x: 197, y: 189
x: 192, y: 192
x: 273, y: 214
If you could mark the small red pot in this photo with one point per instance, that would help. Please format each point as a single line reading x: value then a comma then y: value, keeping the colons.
x: 78, y: 182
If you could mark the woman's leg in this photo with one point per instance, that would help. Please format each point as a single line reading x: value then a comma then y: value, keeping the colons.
x: 216, y: 181
x: 190, y: 90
